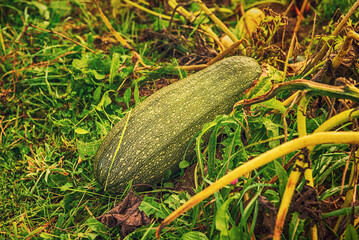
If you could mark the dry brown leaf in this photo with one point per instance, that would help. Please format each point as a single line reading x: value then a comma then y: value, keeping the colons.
x: 126, y: 215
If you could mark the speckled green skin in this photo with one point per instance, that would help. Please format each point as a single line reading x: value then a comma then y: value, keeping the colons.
x: 160, y: 128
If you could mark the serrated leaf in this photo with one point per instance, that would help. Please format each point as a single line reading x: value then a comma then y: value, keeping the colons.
x: 174, y: 201
x: 296, y: 227
x: 88, y: 148
x: 272, y: 131
x: 81, y: 131
x: 282, y: 177
x: 149, y: 206
x: 222, y: 219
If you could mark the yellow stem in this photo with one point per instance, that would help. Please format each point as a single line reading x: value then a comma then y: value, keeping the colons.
x: 122, y: 41
x: 338, y: 119
x: 291, y: 98
x: 295, y: 174
x: 220, y: 24
x: 191, y: 17
x: 287, y: 198
x: 148, y: 10
x: 288, y: 147
x: 188, y: 15
x: 217, y: 21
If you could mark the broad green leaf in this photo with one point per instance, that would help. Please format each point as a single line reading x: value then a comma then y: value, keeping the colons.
x: 127, y: 97
x: 149, y: 206
x: 194, y: 235
x: 183, y: 164
x: 43, y: 9
x: 88, y: 148
x: 96, y: 74
x: 105, y: 101
x: 80, y: 63
x: 174, y: 201
x: 296, y: 226
x: 136, y: 95
x: 274, y: 104
x: 222, y: 219
x: 97, y: 95
x: 61, y: 7
x: 272, y: 132
x: 81, y: 131
x: 127, y: 71
x: 234, y: 233
x: 66, y: 187
x: 95, y: 225
x: 351, y: 233
x: 282, y: 177
x: 265, y: 83
x: 115, y: 64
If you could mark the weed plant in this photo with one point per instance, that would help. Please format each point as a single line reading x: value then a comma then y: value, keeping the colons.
x: 59, y: 99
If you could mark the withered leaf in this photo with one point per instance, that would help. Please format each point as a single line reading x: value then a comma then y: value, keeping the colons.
x: 266, y: 218
x: 306, y: 203
x: 126, y: 215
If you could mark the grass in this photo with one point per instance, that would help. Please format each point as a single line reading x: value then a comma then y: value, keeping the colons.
x: 58, y: 99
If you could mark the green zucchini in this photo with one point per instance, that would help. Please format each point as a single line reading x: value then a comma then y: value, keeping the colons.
x: 153, y: 137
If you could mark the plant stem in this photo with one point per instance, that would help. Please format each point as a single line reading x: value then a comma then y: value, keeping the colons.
x: 326, y: 46
x: 148, y: 10
x: 314, y: 88
x: 271, y: 155
x: 294, y: 38
x: 220, y: 24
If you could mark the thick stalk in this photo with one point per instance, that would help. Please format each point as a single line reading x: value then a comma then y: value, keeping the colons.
x: 301, y: 163
x: 271, y: 155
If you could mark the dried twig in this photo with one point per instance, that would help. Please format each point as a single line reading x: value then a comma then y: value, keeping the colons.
x: 319, y: 56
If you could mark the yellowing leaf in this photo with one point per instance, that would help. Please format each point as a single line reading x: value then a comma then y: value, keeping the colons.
x: 226, y: 41
x: 81, y: 131
x: 252, y: 17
